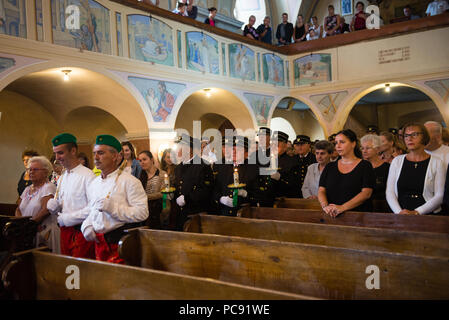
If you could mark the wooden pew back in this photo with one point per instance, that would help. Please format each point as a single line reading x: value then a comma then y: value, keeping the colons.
x: 312, y: 270
x: 423, y: 223
x: 387, y: 240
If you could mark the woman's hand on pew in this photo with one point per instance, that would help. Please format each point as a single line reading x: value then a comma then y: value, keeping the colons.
x: 334, y: 210
x: 411, y: 212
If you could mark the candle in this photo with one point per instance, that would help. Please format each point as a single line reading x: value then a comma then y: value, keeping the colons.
x: 236, y: 177
x: 166, y: 181
x: 273, y: 162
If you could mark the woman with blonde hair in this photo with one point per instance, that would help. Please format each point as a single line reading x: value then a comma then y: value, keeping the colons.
x: 33, y: 203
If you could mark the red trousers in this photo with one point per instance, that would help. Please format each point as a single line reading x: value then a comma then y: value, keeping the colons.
x: 106, y: 251
x: 73, y: 244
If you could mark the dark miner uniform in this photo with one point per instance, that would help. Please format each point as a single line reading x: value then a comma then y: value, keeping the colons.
x: 287, y: 169
x: 194, y: 186
x: 248, y: 174
x: 303, y: 164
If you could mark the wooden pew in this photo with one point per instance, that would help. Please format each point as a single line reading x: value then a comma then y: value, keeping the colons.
x: 387, y: 240
x: 17, y: 233
x: 312, y: 270
x: 439, y: 224
x: 42, y: 275
x: 8, y: 209
x: 296, y: 203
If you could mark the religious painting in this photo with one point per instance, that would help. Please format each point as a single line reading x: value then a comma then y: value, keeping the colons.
x: 39, y: 21
x: 92, y: 30
x: 13, y: 18
x: 261, y: 105
x: 346, y: 7
x: 242, y: 62
x: 159, y: 95
x: 441, y: 87
x: 313, y: 68
x: 329, y: 103
x: 150, y: 40
x: 118, y: 18
x: 287, y: 78
x: 6, y: 63
x: 273, y: 69
x: 202, y: 53
x: 223, y: 52
x: 179, y: 35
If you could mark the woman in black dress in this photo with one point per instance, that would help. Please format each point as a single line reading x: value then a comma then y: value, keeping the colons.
x: 300, y: 30
x: 346, y: 184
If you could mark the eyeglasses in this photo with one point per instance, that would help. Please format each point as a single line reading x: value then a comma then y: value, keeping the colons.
x: 34, y: 169
x: 414, y: 135
x: 366, y: 148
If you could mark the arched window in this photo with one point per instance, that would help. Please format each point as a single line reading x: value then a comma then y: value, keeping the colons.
x: 246, y: 8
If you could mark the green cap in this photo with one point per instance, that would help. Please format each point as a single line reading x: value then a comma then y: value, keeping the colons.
x: 63, y: 138
x: 109, y: 141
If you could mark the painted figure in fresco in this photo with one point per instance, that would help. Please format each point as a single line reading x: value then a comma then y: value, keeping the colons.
x: 205, y: 55
x: 196, y: 57
x: 153, y: 50
x: 2, y: 19
x: 242, y: 63
x: 153, y: 102
x: 274, y: 70
x: 166, y: 103
x: 91, y: 25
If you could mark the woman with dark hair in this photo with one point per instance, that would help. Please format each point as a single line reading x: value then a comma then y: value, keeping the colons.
x: 83, y: 159
x: 359, y: 19
x: 25, y: 180
x: 132, y: 164
x: 348, y: 183
x: 301, y: 30
x: 211, y: 19
x: 153, y: 182
x: 167, y: 165
x: 415, y: 181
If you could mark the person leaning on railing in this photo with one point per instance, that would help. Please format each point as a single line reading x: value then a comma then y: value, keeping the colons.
x: 348, y: 183
x: 416, y: 180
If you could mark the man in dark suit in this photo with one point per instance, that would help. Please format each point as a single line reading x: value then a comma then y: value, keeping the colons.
x: 193, y: 181
x: 284, y: 31
x: 304, y: 158
x: 235, y: 155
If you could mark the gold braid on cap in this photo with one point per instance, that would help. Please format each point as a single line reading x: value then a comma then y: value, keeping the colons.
x: 120, y: 170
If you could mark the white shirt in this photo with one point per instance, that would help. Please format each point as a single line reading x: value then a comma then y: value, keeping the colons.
x: 72, y: 194
x: 433, y: 185
x: 31, y: 202
x: 437, y: 7
x: 442, y: 153
x: 311, y: 181
x: 129, y: 202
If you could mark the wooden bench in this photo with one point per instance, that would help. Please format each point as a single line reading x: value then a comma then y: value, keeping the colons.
x: 296, y: 203
x: 35, y: 274
x: 8, y: 209
x: 17, y: 233
x: 423, y: 223
x: 387, y: 240
x: 305, y: 269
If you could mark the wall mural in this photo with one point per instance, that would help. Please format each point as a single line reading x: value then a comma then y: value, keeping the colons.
x: 118, y: 18
x: 13, y: 18
x: 160, y: 96
x: 39, y: 21
x: 241, y: 62
x: 273, y: 69
x: 314, y: 68
x: 179, y: 38
x: 94, y: 29
x: 261, y: 105
x: 6, y: 63
x: 223, y: 52
x: 329, y: 103
x: 202, y: 53
x: 150, y: 40
x: 441, y: 87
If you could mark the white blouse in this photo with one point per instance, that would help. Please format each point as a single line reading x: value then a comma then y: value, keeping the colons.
x: 31, y: 202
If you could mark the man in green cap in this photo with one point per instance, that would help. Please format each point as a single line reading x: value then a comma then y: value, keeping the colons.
x: 70, y: 202
x: 117, y: 201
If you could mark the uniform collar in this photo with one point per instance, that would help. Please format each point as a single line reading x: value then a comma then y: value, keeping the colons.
x: 74, y: 169
x: 111, y: 175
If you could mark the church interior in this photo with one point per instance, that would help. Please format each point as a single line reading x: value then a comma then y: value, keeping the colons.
x: 140, y: 71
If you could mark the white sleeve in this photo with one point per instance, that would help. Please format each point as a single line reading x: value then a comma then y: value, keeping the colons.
x: 307, y: 181
x: 390, y: 191
x: 437, y: 199
x: 48, y: 189
x: 137, y: 210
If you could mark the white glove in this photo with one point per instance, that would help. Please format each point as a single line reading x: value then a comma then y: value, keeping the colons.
x: 276, y: 176
x: 104, y: 205
x: 227, y: 201
x: 243, y: 193
x: 60, y: 220
x: 53, y: 206
x: 181, y: 201
x: 89, y: 234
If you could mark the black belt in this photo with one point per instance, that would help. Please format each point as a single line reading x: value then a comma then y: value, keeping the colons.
x: 114, y: 236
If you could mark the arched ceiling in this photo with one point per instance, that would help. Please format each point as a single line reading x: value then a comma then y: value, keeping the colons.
x: 85, y: 88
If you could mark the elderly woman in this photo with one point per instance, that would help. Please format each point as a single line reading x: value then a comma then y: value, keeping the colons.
x: 323, y: 152
x: 33, y: 202
x: 153, y: 182
x: 415, y: 181
x: 348, y: 183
